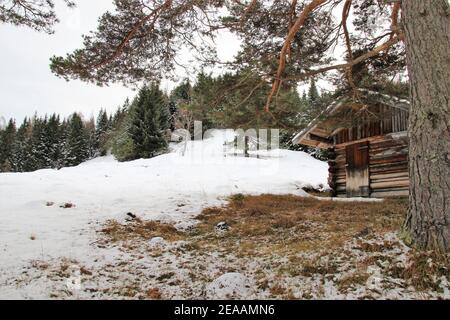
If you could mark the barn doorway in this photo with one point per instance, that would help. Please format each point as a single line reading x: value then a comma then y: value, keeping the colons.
x: 357, y: 170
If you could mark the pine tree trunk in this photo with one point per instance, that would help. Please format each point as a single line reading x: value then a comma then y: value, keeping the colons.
x: 427, y: 30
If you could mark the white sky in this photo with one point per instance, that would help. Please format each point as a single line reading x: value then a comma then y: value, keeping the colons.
x: 26, y: 83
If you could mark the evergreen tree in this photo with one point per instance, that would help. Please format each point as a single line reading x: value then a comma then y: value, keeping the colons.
x: 119, y: 140
x: 92, y: 139
x: 7, y: 140
x: 182, y: 93
x: 304, y: 97
x: 63, y: 144
x: 202, y: 99
x: 2, y: 144
x: 313, y: 93
x: 76, y: 142
x: 110, y: 122
x: 21, y: 147
x: 53, y: 140
x: 120, y: 115
x: 35, y: 148
x: 102, y: 122
x: 121, y: 144
x: 149, y: 122
x: 101, y: 130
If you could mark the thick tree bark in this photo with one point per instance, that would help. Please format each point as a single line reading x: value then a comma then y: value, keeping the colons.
x: 427, y: 36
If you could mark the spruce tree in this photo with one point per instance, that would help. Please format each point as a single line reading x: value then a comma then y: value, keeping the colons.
x: 7, y: 140
x: 93, y: 145
x: 102, y: 127
x: 119, y: 117
x: 21, y: 147
x: 76, y: 142
x: 304, y: 97
x: 63, y: 144
x: 2, y: 145
x: 149, y: 122
x: 313, y: 93
x: 53, y: 140
x: 102, y: 122
x: 39, y: 145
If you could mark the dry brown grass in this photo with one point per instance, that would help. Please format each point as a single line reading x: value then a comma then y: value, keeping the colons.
x: 153, y: 294
x: 289, y: 223
x: 140, y: 230
x: 424, y: 270
x: 376, y: 247
x: 67, y: 205
x: 352, y: 280
x: 287, y: 237
x: 311, y: 268
x: 277, y: 290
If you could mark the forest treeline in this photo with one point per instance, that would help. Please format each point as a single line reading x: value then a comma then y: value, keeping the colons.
x: 141, y: 128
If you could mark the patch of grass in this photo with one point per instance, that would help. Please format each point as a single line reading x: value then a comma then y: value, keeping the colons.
x: 377, y: 259
x: 376, y: 247
x: 85, y: 271
x: 165, y: 276
x: 353, y: 280
x: 284, y: 224
x: 320, y: 194
x: 424, y: 270
x: 263, y: 284
x: 311, y: 268
x: 140, y: 230
x: 237, y: 198
x: 277, y: 290
x: 40, y: 265
x: 67, y: 205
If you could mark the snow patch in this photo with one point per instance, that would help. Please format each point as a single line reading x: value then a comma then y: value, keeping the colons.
x: 157, y: 242
x: 230, y: 286
x: 172, y: 188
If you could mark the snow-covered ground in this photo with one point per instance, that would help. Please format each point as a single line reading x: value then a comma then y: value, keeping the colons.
x: 173, y: 187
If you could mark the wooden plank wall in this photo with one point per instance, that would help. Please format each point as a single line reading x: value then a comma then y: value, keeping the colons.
x: 337, y: 173
x: 392, y: 120
x: 388, y: 167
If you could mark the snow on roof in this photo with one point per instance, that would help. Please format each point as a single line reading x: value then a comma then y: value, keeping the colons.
x: 388, y: 100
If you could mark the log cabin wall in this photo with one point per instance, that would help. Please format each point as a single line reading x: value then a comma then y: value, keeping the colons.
x: 389, y: 175
x: 388, y: 166
x: 392, y: 120
x: 387, y: 160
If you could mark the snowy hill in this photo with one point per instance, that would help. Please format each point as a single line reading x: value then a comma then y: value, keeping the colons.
x: 173, y: 187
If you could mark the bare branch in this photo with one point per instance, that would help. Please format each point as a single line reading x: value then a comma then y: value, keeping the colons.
x: 292, y: 32
x: 349, y: 73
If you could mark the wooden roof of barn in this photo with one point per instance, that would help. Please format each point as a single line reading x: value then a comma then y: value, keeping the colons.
x: 322, y: 134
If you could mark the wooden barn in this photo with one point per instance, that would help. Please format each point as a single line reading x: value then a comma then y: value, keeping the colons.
x: 368, y: 145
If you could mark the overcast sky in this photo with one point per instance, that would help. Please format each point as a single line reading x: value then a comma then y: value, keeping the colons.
x: 26, y: 83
